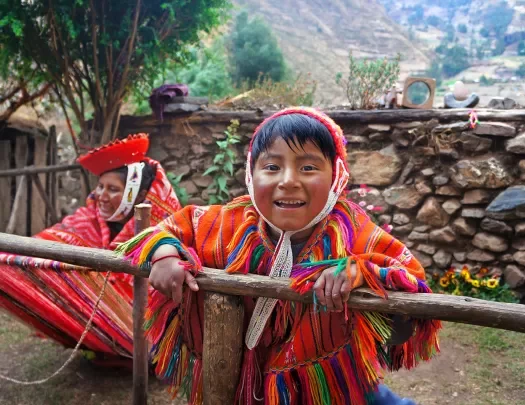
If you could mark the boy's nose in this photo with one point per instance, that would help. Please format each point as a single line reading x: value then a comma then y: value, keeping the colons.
x: 290, y: 178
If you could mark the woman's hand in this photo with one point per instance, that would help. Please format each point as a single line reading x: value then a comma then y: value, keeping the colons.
x: 168, y: 274
x: 333, y: 291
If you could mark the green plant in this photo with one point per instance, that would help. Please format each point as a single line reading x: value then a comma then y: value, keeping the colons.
x: 181, y: 192
x: 520, y: 72
x: 462, y: 28
x: 480, y: 285
x: 254, y: 50
x: 367, y: 80
x: 222, y: 167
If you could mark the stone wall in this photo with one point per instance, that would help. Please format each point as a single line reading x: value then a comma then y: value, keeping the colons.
x: 453, y: 194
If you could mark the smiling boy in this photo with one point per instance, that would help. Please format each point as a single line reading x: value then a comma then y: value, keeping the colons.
x: 294, y: 223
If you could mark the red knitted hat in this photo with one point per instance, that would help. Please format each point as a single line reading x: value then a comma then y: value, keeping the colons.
x: 115, y: 154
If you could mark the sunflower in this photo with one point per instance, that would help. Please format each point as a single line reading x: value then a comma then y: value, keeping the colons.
x: 444, y: 282
x: 475, y: 283
x: 492, y: 283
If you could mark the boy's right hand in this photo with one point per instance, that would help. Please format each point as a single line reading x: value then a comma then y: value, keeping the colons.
x: 168, y: 275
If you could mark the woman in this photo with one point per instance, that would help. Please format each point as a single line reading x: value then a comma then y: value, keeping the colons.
x: 59, y: 303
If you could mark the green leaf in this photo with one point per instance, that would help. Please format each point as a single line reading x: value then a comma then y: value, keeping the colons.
x: 228, y: 166
x: 218, y: 158
x: 211, y: 169
x: 221, y: 181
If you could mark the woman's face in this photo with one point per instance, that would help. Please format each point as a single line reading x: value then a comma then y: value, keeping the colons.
x: 108, y: 193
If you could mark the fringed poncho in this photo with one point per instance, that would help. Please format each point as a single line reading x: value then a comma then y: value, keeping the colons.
x: 306, y: 355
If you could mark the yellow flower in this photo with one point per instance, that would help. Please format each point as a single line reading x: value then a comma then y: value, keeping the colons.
x: 465, y: 274
x: 483, y: 271
x: 483, y: 283
x: 492, y: 283
x: 475, y: 283
x: 444, y: 282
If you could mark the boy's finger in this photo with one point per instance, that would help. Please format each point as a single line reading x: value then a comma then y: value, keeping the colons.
x: 337, y: 298
x: 176, y: 292
x: 346, y: 289
x: 190, y: 280
x: 319, y: 289
x: 328, y: 287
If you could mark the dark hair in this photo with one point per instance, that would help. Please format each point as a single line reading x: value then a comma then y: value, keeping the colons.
x: 295, y: 129
x: 148, y: 175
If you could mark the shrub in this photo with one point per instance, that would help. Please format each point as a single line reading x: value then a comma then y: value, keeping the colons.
x: 367, y: 80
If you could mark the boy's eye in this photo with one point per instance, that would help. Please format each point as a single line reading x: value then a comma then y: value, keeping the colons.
x: 271, y: 167
x: 309, y: 168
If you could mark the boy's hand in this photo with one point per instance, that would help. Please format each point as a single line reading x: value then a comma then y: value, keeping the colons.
x: 168, y: 275
x: 333, y: 291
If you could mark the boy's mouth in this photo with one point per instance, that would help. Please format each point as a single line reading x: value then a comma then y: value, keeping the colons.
x: 289, y: 203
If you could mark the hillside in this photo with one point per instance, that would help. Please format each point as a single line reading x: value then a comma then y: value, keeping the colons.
x: 316, y: 36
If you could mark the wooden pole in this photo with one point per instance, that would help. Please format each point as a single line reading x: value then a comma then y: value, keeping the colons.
x: 42, y: 192
x: 427, y: 306
x: 38, y: 170
x: 140, y: 300
x: 222, y: 347
x: 11, y: 225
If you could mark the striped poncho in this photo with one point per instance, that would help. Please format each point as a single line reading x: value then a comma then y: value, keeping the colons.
x: 306, y: 355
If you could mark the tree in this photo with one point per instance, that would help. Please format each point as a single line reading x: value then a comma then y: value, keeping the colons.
x: 95, y: 51
x: 521, y: 48
x: 497, y: 18
x: 455, y: 60
x: 254, y: 51
x: 462, y: 28
x: 520, y: 72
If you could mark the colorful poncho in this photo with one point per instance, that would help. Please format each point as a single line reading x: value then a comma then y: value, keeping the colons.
x: 59, y: 303
x: 306, y: 355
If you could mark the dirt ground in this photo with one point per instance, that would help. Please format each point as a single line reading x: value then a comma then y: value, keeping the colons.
x: 477, y: 366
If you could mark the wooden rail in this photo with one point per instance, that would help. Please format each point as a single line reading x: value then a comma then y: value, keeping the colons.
x: 30, y: 170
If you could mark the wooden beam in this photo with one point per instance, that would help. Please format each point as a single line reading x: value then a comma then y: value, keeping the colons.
x: 140, y: 300
x: 38, y: 169
x: 427, y: 306
x: 42, y: 192
x: 222, y: 347
x: 18, y: 204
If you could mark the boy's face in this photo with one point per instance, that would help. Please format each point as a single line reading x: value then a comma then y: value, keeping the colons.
x: 291, y: 186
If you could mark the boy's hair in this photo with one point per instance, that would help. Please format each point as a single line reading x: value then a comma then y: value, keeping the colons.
x: 296, y: 130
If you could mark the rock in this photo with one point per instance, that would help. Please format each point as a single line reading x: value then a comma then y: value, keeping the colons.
x: 499, y: 227
x: 476, y: 144
x: 385, y: 219
x: 400, y: 138
x: 199, y: 149
x: 460, y: 91
x: 418, y: 236
x: 424, y: 260
x: 495, y: 129
x: 180, y: 170
x: 403, y: 229
x: 454, y: 127
x: 409, y: 244
x: 473, y: 213
x: 379, y: 127
x: 190, y: 187
x: 371, y: 197
x: 237, y: 191
x: 428, y: 172
x: 443, y: 235
x: 449, y: 191
x: 510, y: 199
x: 448, y: 153
x: 375, y: 168
x: 486, y: 241
x: 477, y: 196
x: 483, y: 172
x: 196, y: 201
x: 356, y: 139
x: 423, y: 188
x: 202, y: 181
x: 240, y: 176
x: 506, y: 258
x: 500, y: 103
x: 409, y: 125
x: 428, y: 249
x: 521, y: 166
x: 401, y: 219
x: 158, y: 152
x: 477, y: 255
x: 514, y: 277
x: 432, y: 214
x: 402, y: 197
x: 471, y: 101
x: 442, y: 259
x: 463, y: 227
x: 518, y: 244
x: 422, y: 228
x: 460, y: 256
x: 519, y: 257
x: 378, y: 136
x: 520, y: 229
x: 451, y: 206
x: 440, y: 180
x: 516, y: 145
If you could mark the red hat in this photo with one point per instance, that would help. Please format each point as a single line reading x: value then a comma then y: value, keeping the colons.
x: 115, y: 154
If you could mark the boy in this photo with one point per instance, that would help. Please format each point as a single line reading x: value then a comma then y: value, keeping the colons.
x: 294, y: 223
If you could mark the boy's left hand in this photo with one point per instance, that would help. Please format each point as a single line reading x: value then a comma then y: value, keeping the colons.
x: 333, y: 291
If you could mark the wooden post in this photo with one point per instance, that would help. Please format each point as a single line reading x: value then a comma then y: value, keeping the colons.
x: 49, y: 205
x: 140, y: 300
x: 21, y: 192
x: 222, y: 347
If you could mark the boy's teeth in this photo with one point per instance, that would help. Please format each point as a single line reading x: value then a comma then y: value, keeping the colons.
x: 290, y: 202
